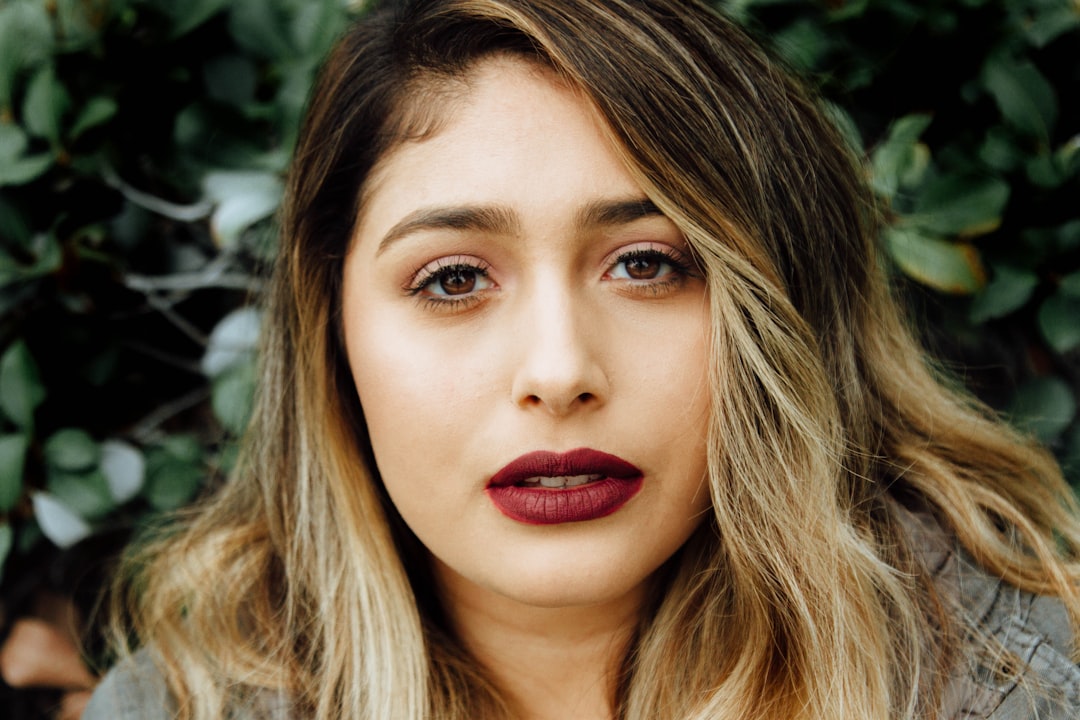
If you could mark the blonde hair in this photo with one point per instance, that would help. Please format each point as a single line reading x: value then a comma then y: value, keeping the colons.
x: 800, y: 597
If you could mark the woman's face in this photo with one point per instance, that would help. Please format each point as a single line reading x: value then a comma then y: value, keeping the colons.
x: 518, y: 316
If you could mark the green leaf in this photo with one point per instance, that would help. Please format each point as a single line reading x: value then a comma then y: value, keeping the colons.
x: 232, y: 397
x: 124, y: 469
x: 316, y: 26
x: 961, y: 205
x: 1067, y: 157
x: 58, y: 522
x: 12, y: 459
x: 842, y: 120
x: 48, y: 257
x: 846, y: 9
x: 231, y: 79
x: 259, y: 28
x: 7, y: 539
x: 900, y: 160
x: 1039, y: 243
x: 1059, y: 321
x: 949, y: 267
x: 1009, y: 290
x: 71, y: 450
x: 174, y: 472
x: 21, y: 390
x: 182, y: 447
x: 232, y: 342
x: 86, y: 493
x: 738, y: 9
x: 1000, y: 151
x: 1070, y: 461
x: 1046, y: 170
x: 190, y: 14
x: 1067, y: 236
x: 46, y: 102
x: 1044, y: 407
x: 172, y: 483
x: 13, y: 226
x: 26, y: 40
x: 243, y: 198
x: 291, y: 100
x: 97, y: 111
x: 28, y: 536
x: 803, y: 43
x: 80, y: 22
x: 17, y: 168
x: 1070, y: 285
x: 227, y: 457
x: 1051, y: 23
x: 1023, y: 95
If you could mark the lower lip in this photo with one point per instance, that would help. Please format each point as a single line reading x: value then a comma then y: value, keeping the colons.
x: 541, y: 506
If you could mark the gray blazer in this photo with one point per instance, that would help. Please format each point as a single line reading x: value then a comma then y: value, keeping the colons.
x: 1034, y: 629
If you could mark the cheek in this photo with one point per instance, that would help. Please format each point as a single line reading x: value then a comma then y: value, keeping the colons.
x: 401, y: 390
x: 420, y: 402
x: 676, y: 371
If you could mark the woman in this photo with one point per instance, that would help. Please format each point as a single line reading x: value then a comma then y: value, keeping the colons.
x: 584, y: 396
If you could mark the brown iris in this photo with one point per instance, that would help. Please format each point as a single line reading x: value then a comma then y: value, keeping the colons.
x: 643, y: 268
x: 458, y: 281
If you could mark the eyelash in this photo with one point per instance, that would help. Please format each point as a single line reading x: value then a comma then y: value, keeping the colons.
x: 681, y: 268
x: 432, y: 273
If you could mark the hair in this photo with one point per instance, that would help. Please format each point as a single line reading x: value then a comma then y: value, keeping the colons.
x: 800, y: 595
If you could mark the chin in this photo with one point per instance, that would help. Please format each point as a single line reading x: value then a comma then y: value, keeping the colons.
x: 568, y: 582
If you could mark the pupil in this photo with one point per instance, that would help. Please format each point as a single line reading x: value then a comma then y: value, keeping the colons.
x: 643, y: 268
x: 458, y: 282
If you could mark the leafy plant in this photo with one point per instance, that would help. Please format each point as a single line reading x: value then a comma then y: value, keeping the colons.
x: 143, y: 145
x: 973, y: 135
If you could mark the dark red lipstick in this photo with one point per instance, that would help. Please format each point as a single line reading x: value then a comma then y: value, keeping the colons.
x: 546, y: 488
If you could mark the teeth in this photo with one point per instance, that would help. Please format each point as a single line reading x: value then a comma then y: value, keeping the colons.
x: 560, y: 481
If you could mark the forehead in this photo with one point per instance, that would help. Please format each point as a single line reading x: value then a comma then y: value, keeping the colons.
x: 510, y: 133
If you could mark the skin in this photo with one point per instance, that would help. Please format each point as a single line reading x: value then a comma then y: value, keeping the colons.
x: 528, y: 323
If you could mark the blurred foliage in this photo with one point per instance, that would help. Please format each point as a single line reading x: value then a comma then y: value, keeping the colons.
x: 969, y: 115
x: 143, y: 145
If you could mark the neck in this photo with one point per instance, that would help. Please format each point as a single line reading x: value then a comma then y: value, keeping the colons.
x: 548, y: 662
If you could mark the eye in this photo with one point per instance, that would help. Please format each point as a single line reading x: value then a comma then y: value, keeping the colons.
x: 451, y: 279
x: 650, y: 265
x: 457, y: 280
x: 642, y: 265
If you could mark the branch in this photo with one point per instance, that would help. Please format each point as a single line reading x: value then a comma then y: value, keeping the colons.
x: 146, y: 429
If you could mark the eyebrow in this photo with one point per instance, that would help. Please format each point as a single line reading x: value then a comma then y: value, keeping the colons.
x: 501, y: 220
x: 603, y: 213
x: 491, y: 219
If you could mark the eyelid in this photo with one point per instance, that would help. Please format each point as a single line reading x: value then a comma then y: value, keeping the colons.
x: 682, y: 260
x: 423, y: 275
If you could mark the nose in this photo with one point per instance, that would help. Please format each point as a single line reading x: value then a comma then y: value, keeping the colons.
x: 560, y: 365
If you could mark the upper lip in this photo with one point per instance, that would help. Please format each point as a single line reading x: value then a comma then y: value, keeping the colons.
x: 582, y: 461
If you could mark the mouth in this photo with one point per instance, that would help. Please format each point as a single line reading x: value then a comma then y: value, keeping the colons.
x: 546, y: 488
x: 558, y: 482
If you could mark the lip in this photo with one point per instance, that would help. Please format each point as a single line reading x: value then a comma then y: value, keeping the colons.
x: 620, y: 481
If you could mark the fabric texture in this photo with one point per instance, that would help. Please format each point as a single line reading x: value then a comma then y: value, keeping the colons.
x: 1018, y: 628
x: 1025, y: 674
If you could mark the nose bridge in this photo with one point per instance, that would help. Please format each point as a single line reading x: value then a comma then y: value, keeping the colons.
x: 559, y: 366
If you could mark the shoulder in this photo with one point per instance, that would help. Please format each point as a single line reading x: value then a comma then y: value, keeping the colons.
x: 135, y: 689
x: 1020, y: 667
